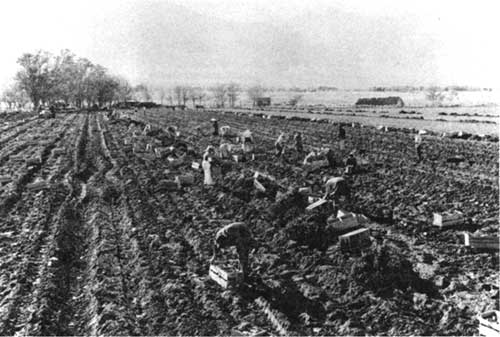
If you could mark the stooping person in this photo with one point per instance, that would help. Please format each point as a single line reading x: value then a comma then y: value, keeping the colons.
x: 225, y: 150
x: 311, y: 156
x: 247, y: 142
x: 225, y: 131
x: 236, y: 235
x: 337, y: 187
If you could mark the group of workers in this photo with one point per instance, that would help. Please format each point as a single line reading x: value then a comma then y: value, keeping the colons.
x: 237, y: 234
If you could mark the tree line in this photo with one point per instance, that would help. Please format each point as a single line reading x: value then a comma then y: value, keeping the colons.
x: 45, y: 79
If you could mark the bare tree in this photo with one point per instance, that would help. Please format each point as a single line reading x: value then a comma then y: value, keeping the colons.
x: 220, y: 94
x: 142, y: 93
x: 254, y: 93
x: 15, y: 97
x: 193, y: 95
x: 233, y: 90
x: 295, y: 100
x: 181, y: 94
x: 161, y: 93
x: 201, y: 96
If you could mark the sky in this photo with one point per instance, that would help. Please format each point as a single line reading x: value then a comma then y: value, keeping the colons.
x: 347, y: 44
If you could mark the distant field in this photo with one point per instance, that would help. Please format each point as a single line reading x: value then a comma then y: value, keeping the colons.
x: 394, y: 119
x: 411, y: 99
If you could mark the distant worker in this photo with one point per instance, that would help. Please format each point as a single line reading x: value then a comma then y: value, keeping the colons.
x: 418, y: 145
x: 225, y: 150
x: 207, y: 166
x: 280, y: 144
x: 311, y: 156
x: 335, y: 188
x: 330, y: 157
x: 247, y: 141
x: 236, y: 235
x: 351, y: 163
x: 298, y: 142
x: 215, y: 125
x: 172, y: 132
x: 341, y: 137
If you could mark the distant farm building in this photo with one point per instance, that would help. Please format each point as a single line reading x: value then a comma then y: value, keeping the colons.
x: 395, y: 101
x: 263, y: 101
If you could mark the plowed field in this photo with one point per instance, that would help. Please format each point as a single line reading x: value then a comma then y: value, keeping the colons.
x: 93, y: 239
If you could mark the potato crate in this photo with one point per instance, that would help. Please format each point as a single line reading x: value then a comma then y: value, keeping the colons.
x: 195, y: 165
x: 448, y: 219
x: 343, y: 220
x: 305, y: 190
x: 316, y: 165
x: 355, y: 240
x: 490, y: 242
x: 489, y: 324
x: 316, y: 203
x: 248, y: 330
x: 58, y: 151
x: 5, y: 179
x: 37, y: 185
x: 185, y: 180
x: 226, y: 274
x: 258, y: 185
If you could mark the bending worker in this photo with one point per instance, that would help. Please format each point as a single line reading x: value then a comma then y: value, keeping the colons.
x: 236, y: 235
x: 335, y: 188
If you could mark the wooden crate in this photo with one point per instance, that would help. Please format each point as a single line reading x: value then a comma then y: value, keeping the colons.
x: 343, y: 221
x: 444, y: 220
x: 315, y: 204
x: 226, y: 274
x: 258, y: 185
x: 185, y: 180
x: 195, y: 165
x: 249, y: 331
x: 491, y: 242
x: 305, y: 190
x: 355, y: 240
x: 5, y: 179
x: 37, y: 185
x: 489, y: 324
x: 58, y: 151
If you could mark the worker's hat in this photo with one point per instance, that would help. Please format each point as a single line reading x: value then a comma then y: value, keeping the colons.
x: 213, y: 120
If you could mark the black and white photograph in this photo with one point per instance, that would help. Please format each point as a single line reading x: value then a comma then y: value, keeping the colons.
x: 249, y: 168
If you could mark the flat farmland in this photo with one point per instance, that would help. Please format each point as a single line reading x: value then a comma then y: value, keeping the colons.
x: 94, y: 240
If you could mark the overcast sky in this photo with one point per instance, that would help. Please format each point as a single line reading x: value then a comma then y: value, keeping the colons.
x: 348, y: 44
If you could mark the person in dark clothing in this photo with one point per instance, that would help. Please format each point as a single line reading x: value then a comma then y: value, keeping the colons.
x: 298, y: 142
x: 331, y: 158
x: 236, y: 235
x: 336, y: 187
x: 215, y: 124
x: 341, y: 137
x: 351, y: 163
x: 341, y: 132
